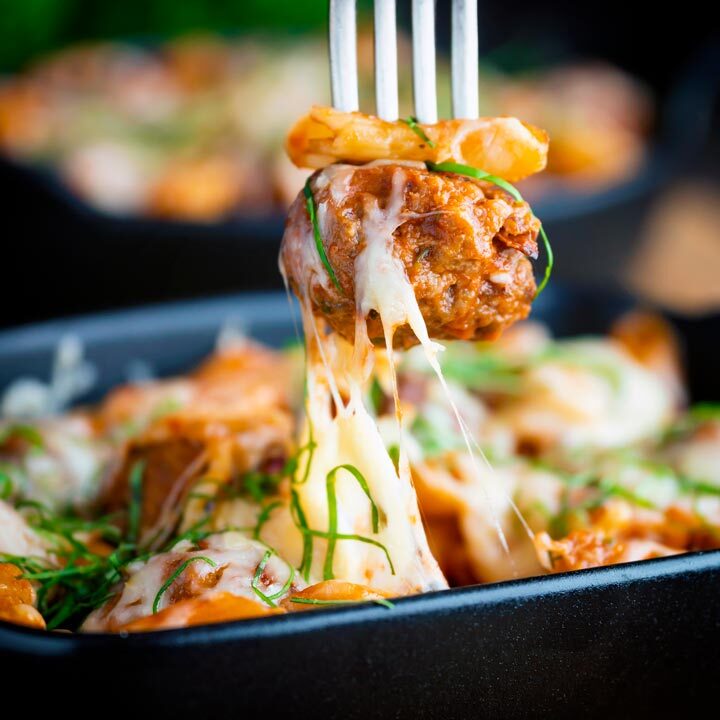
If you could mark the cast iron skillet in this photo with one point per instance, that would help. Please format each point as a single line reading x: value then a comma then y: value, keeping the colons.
x: 629, y: 640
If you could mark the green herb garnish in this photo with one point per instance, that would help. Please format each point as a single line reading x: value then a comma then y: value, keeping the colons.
x: 310, y: 204
x: 179, y: 570
x: 259, y: 485
x: 698, y: 487
x: 82, y: 580
x: 135, y: 481
x: 296, y: 510
x: 25, y: 432
x: 332, y: 526
x: 6, y: 486
x: 412, y: 123
x: 376, y: 396
x: 332, y: 512
x: 394, y: 452
x: 705, y: 411
x: 612, y: 489
x: 264, y: 516
x: 269, y: 599
x: 332, y: 536
x: 480, y: 368
x: 469, y: 171
x: 300, y: 520
x: 357, y: 538
x: 314, y: 601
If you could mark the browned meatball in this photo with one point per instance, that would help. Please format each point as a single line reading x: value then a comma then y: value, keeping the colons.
x: 464, y: 245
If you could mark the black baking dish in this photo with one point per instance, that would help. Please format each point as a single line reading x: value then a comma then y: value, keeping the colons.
x: 622, y: 641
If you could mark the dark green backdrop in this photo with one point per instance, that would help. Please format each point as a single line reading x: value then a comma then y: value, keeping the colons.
x: 32, y: 27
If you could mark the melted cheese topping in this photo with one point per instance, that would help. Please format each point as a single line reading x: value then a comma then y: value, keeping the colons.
x: 236, y: 559
x: 17, y: 537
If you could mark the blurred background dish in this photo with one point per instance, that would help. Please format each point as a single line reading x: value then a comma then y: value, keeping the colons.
x: 142, y: 146
x: 193, y: 129
x: 188, y: 130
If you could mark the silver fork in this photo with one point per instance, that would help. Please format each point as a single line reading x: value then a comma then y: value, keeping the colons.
x: 343, y: 59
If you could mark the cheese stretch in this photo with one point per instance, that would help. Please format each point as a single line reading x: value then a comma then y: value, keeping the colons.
x: 342, y: 443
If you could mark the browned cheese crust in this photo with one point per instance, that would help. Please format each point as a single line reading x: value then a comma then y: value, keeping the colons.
x: 464, y: 244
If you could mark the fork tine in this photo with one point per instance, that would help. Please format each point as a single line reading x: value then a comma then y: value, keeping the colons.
x: 424, y: 90
x: 386, y: 72
x: 465, y: 101
x: 343, y: 55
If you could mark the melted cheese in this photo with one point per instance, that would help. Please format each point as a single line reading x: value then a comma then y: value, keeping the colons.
x: 341, y: 426
x: 236, y: 559
x: 17, y: 537
x: 344, y: 431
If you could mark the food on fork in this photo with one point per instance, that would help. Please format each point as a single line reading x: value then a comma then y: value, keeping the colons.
x: 414, y: 219
x: 502, y: 146
x: 387, y: 250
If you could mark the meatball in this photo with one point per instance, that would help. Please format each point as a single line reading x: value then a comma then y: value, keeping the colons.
x: 464, y: 246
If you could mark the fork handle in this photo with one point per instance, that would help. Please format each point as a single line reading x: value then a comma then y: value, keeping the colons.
x: 465, y: 100
x: 386, y: 71
x: 424, y: 89
x: 343, y: 55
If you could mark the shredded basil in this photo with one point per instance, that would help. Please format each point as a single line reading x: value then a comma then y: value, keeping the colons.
x: 394, y: 453
x: 312, y: 213
x: 412, y: 123
x: 179, y: 570
x: 135, y: 508
x: 705, y: 411
x: 296, y: 510
x: 301, y: 523
x: 81, y: 583
x: 259, y: 485
x: 698, y: 487
x: 6, y: 486
x: 314, y: 601
x: 25, y: 432
x: 332, y: 513
x: 270, y: 599
x: 264, y: 516
x: 332, y: 535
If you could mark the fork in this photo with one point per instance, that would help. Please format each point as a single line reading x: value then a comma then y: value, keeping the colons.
x: 464, y: 60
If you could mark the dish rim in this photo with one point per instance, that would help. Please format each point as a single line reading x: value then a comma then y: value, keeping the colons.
x: 30, y: 641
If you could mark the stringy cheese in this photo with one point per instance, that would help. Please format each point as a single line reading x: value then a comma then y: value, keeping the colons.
x: 338, y: 421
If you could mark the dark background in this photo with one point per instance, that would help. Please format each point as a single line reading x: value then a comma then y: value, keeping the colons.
x: 60, y: 258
